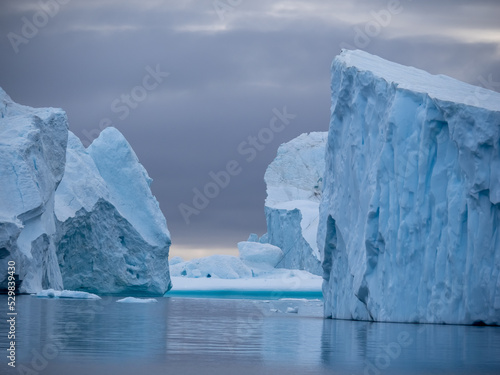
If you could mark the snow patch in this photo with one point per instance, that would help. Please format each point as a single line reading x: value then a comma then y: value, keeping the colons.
x: 137, y: 300
x: 71, y: 294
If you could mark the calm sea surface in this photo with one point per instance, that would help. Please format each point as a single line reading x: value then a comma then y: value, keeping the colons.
x: 231, y: 336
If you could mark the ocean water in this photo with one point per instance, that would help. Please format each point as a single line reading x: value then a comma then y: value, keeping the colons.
x: 231, y: 336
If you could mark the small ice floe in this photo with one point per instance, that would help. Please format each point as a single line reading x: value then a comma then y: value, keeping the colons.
x: 51, y: 293
x: 137, y: 300
x: 292, y: 310
x: 274, y: 310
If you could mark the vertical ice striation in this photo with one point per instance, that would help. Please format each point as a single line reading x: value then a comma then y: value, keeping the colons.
x: 32, y: 158
x: 410, y: 214
x: 294, y: 182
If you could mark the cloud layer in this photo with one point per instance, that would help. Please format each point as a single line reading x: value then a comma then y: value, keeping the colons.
x: 230, y: 63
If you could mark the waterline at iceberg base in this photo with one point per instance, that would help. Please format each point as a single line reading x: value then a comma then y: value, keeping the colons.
x: 229, y: 336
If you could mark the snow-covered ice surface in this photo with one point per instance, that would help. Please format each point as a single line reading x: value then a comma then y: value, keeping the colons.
x: 251, y: 275
x: 175, y: 260
x: 259, y: 255
x: 214, y: 266
x: 294, y: 183
x: 289, y: 281
x: 137, y: 300
x: 410, y: 210
x: 32, y: 158
x: 51, y: 293
x: 274, y: 283
x: 105, y: 209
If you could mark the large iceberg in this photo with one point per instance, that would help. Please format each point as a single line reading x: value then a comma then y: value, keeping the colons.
x: 294, y: 182
x: 410, y: 213
x: 112, y: 236
x: 32, y: 158
x: 84, y: 219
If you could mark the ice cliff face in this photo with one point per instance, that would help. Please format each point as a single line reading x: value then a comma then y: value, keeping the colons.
x: 32, y: 156
x: 109, y: 235
x: 410, y: 213
x: 112, y: 236
x: 294, y: 182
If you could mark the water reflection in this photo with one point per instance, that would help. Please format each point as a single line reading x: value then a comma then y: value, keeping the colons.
x: 234, y: 336
x: 390, y: 348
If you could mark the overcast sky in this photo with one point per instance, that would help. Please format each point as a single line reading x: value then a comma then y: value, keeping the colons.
x: 187, y: 82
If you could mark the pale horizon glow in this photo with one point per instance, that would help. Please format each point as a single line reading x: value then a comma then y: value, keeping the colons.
x: 189, y: 252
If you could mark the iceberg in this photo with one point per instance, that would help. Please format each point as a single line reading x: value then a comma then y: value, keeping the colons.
x: 112, y: 236
x: 410, y: 211
x: 76, y: 218
x: 294, y: 184
x: 255, y: 260
x: 32, y: 159
x: 51, y: 293
x: 260, y: 255
x: 175, y: 260
x: 137, y: 300
x: 252, y: 273
x: 216, y: 266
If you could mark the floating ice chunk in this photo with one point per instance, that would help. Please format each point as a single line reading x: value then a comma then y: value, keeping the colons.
x: 292, y: 310
x: 51, y: 293
x: 137, y: 300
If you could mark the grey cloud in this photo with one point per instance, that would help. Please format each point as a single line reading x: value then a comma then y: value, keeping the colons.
x: 222, y: 86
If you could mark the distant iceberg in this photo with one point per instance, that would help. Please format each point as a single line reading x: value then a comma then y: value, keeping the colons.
x: 252, y: 272
x: 216, y: 266
x: 294, y: 183
x: 410, y: 213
